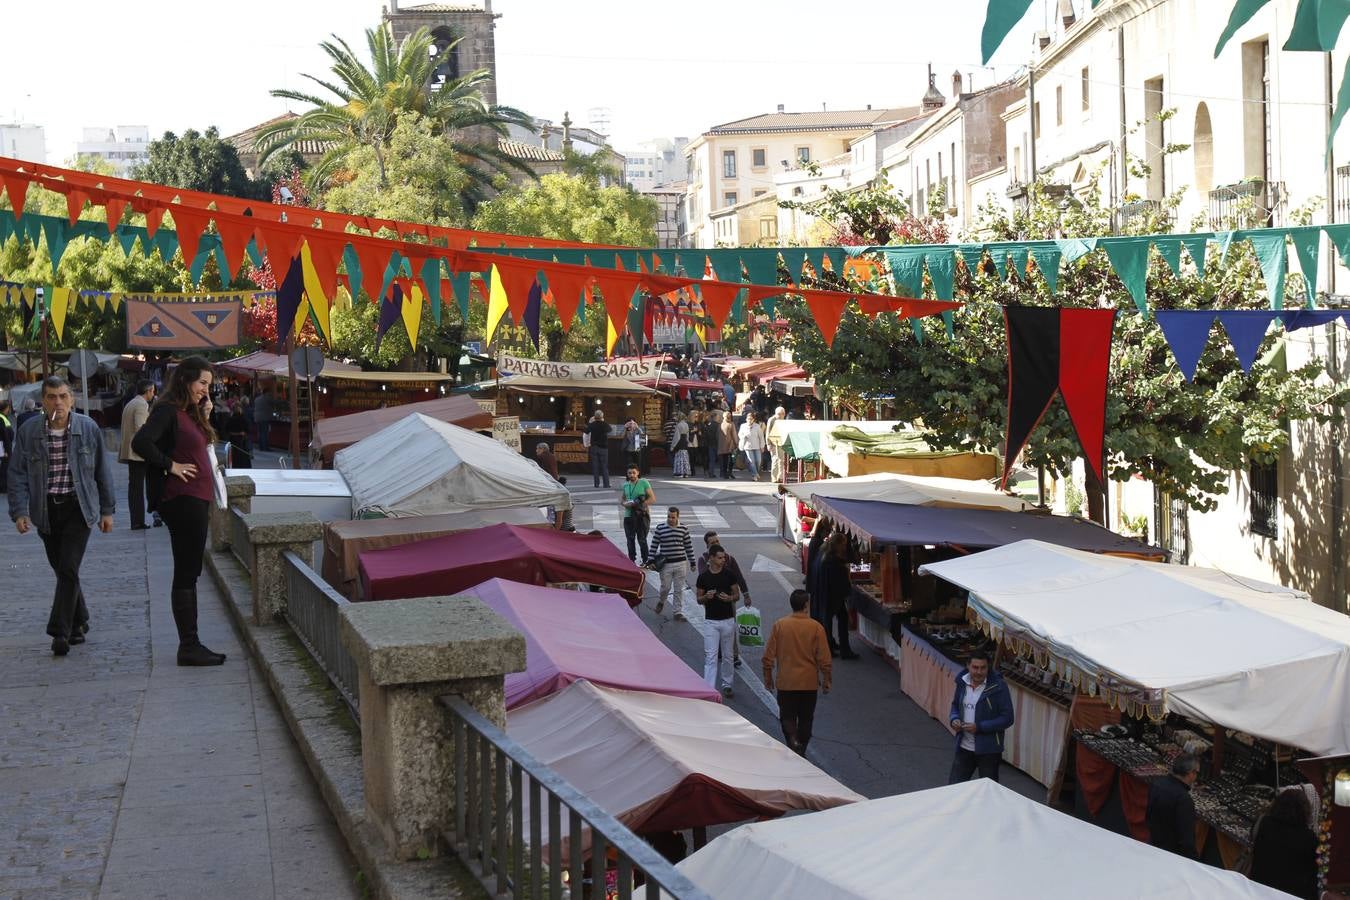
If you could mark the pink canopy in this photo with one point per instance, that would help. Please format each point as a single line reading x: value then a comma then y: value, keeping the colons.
x: 575, y: 635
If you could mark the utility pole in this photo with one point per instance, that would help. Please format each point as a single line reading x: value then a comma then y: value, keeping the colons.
x: 1034, y: 116
x: 42, y: 311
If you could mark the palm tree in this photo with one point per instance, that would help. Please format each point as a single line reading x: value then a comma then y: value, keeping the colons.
x: 369, y: 101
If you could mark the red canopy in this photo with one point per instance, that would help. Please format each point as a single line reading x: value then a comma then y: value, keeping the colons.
x: 456, y: 562
x: 563, y: 630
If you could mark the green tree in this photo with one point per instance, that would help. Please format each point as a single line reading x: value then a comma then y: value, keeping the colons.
x: 365, y: 103
x: 87, y: 264
x: 425, y: 182
x: 573, y: 208
x: 198, y: 161
x: 1184, y: 437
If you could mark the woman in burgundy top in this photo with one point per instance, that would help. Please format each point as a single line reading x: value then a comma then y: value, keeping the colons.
x: 176, y: 443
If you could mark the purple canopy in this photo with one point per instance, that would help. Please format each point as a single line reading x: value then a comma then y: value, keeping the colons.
x: 881, y: 524
x: 576, y: 635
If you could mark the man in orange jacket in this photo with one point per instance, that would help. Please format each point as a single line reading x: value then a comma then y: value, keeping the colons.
x: 799, y: 647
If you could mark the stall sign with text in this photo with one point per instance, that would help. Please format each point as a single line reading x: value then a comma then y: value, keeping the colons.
x: 507, y: 430
x: 576, y: 371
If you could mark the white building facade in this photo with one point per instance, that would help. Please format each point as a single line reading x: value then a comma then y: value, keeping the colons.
x: 656, y: 163
x: 1136, y: 81
x: 123, y: 147
x: 22, y: 141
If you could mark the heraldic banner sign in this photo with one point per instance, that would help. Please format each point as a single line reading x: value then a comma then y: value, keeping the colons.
x: 204, y: 325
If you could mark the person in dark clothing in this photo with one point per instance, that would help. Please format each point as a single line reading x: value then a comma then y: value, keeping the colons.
x: 1171, y: 811
x: 982, y: 710
x: 543, y: 455
x: 6, y: 441
x: 236, y: 431
x: 1284, y: 847
x: 177, y: 444
x: 835, y: 586
x: 598, y: 432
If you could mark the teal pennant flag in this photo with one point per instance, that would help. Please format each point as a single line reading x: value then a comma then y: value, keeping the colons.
x: 1129, y: 259
x: 1271, y: 253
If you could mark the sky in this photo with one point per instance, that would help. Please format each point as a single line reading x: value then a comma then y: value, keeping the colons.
x: 657, y: 69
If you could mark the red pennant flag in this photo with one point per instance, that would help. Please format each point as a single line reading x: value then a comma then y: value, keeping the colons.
x: 567, y: 285
x: 16, y: 186
x: 283, y: 245
x: 234, y: 238
x: 374, y: 258
x: 618, y: 288
x: 874, y: 304
x: 516, y: 280
x: 326, y: 254
x: 718, y: 298
x: 1084, y: 363
x: 189, y: 223
x: 404, y: 284
x: 114, y: 207
x: 75, y: 204
x: 153, y: 216
x: 827, y: 308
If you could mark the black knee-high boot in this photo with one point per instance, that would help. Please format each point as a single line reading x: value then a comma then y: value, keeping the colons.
x: 190, y: 649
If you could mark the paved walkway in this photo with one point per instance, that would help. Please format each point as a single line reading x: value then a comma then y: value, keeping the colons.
x: 124, y: 776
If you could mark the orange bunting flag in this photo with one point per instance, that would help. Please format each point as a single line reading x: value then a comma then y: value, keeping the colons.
x: 114, y: 207
x: 516, y: 279
x: 718, y: 298
x: 234, y: 239
x: 827, y: 308
x: 567, y: 285
x: 618, y: 288
x: 189, y: 223
x: 16, y: 187
x: 75, y: 204
x: 283, y: 245
x: 327, y: 256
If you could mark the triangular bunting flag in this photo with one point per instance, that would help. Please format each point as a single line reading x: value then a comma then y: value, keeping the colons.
x: 718, y: 298
x: 827, y: 308
x: 1195, y: 245
x: 430, y: 274
x: 1169, y: 248
x: 1047, y: 263
x: 617, y: 288
x: 391, y: 308
x: 411, y: 309
x: 1246, y: 330
x: 1187, y: 334
x: 325, y: 255
x: 1273, y: 257
x: 189, y: 224
x: 1084, y: 363
x: 1308, y: 245
x: 1129, y: 259
x: 60, y: 302
x: 113, y: 208
x: 516, y: 279
x: 497, y: 305
x: 16, y: 188
x: 567, y: 286
x: 282, y: 246
x: 317, y: 293
x: 289, y: 295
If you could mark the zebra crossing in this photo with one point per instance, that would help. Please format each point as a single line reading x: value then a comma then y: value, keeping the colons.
x: 732, y: 518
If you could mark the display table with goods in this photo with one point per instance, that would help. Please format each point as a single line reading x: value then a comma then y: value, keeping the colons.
x: 1239, y: 776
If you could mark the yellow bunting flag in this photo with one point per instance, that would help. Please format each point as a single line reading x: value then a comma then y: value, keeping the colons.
x: 318, y: 303
x: 412, y: 314
x: 115, y: 299
x: 611, y: 336
x: 29, y: 295
x: 60, y: 302
x: 101, y: 301
x: 497, y: 305
x: 342, y: 300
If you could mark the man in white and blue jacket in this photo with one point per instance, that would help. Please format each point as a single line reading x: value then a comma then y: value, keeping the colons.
x: 982, y: 710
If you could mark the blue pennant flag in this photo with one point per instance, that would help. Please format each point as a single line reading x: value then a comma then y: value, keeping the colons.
x: 1187, y: 333
x: 1246, y: 329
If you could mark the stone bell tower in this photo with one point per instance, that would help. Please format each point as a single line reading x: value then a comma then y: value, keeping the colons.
x: 470, y: 20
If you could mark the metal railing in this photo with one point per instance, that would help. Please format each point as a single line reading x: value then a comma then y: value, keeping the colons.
x: 240, y: 545
x: 313, y: 612
x: 1247, y: 204
x: 491, y: 774
x: 1342, y: 209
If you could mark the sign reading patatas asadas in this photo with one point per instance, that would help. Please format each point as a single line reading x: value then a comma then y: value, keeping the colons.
x: 576, y: 371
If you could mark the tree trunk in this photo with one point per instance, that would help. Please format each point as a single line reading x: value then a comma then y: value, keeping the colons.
x: 1096, y: 497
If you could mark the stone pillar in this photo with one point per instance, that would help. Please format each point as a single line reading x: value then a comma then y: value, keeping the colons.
x: 271, y: 535
x: 239, y: 491
x: 408, y: 653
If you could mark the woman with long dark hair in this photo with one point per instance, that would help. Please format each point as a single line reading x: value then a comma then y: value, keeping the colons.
x: 1284, y: 846
x: 177, y: 444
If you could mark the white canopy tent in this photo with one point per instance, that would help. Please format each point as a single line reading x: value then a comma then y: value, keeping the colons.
x: 1207, y: 645
x: 916, y: 490
x: 977, y: 839
x: 658, y: 762
x: 419, y: 466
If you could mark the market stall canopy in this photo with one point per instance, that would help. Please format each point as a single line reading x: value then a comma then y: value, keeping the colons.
x: 882, y: 524
x: 1202, y: 643
x: 660, y: 763
x: 272, y: 365
x: 457, y: 562
x: 918, y: 845
x: 795, y: 387
x: 394, y: 378
x: 916, y: 490
x: 576, y: 635
x: 343, y: 542
x: 419, y: 466
x: 851, y: 450
x: 683, y: 384
x: 333, y: 434
x: 780, y: 431
x: 590, y: 387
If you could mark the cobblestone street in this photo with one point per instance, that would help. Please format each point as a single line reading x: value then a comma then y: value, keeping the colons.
x: 122, y: 775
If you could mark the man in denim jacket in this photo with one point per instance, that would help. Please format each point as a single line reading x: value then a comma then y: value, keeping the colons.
x: 60, y: 482
x: 982, y: 710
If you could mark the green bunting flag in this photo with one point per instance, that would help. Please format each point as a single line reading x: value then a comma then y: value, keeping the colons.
x: 1196, y: 245
x: 1170, y: 250
x: 907, y: 268
x: 942, y: 271
x: 999, y: 19
x: 1271, y: 253
x: 431, y: 280
x: 1047, y: 263
x: 1074, y: 249
x: 1129, y: 259
x: 1308, y: 246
